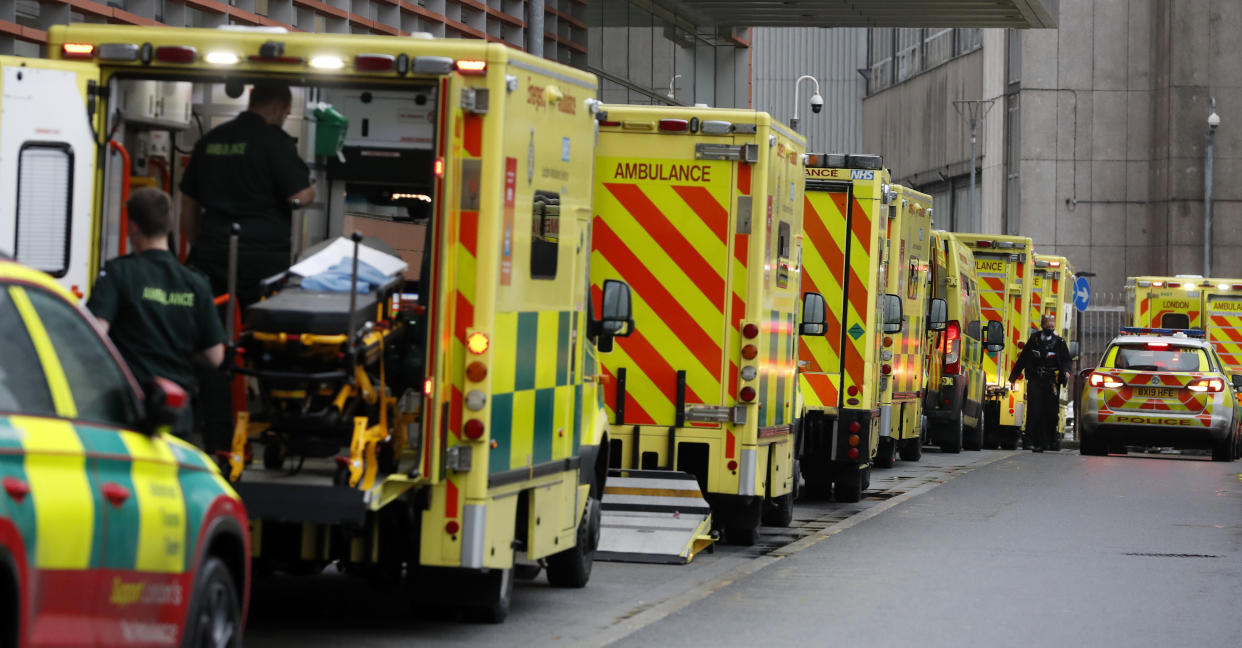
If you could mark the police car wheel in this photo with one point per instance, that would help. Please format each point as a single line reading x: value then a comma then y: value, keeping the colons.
x: 214, y: 619
x: 1223, y: 451
x: 572, y: 567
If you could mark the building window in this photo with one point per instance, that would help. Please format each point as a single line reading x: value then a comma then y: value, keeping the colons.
x: 897, y: 54
x: 44, y: 206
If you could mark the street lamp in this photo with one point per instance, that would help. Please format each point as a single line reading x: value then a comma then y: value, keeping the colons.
x: 817, y: 102
x: 1209, y: 152
x: 671, y: 93
x: 973, y: 111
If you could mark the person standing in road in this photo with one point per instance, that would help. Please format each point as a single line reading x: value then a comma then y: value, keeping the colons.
x: 245, y: 171
x: 1046, y: 362
x: 158, y: 313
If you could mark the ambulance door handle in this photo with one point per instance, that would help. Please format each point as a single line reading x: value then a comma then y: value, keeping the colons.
x: 116, y: 493
x: 16, y: 488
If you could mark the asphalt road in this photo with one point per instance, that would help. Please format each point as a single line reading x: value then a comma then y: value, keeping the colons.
x: 992, y: 548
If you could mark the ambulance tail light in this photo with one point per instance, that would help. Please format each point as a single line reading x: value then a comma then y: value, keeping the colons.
x: 674, y: 125
x: 374, y: 62
x: 608, y: 122
x: 953, y: 346
x: 473, y: 429
x: 750, y: 351
x: 750, y: 331
x: 180, y: 54
x: 1174, y: 284
x: 983, y: 244
x: 1207, y: 385
x: 78, y: 50
x: 1104, y: 380
x: 747, y: 394
x: 1237, y: 286
x: 470, y: 67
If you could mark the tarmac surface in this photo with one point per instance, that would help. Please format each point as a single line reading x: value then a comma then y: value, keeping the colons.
x: 988, y: 548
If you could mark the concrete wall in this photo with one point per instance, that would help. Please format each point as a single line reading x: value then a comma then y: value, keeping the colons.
x: 833, y: 56
x: 915, y: 127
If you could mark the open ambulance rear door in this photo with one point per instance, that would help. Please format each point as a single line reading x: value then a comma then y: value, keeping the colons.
x: 47, y: 166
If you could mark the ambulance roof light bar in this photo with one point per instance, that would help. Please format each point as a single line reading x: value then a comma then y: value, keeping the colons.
x: 845, y: 161
x: 1138, y: 330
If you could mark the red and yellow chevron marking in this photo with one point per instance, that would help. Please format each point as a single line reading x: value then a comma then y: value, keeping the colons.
x: 823, y: 271
x: 992, y: 290
x: 1038, y: 282
x: 1225, y: 331
x: 855, y: 352
x: 1127, y: 397
x: 670, y: 243
x: 1142, y: 312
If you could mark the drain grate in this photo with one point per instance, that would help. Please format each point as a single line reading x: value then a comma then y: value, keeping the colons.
x: 1168, y: 555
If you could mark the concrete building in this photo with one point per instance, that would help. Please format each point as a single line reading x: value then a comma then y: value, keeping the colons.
x: 1094, y: 144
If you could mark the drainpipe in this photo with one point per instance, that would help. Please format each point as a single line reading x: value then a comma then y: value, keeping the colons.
x: 534, y: 28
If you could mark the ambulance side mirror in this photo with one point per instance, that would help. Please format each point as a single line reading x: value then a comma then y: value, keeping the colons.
x: 938, y: 315
x: 995, y: 338
x: 617, y: 318
x: 814, y: 315
x: 1073, y: 349
x: 164, y: 402
x: 893, y: 316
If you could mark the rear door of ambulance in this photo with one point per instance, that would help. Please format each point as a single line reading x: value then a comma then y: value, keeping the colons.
x: 993, y: 271
x: 1223, y: 306
x: 826, y: 270
x: 48, y: 122
x: 663, y: 225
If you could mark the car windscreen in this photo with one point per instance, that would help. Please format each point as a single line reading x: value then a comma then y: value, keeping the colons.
x: 1157, y: 356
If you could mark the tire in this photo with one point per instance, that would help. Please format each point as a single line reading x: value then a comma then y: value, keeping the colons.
x: 214, y: 619
x: 911, y: 449
x: 740, y: 537
x: 886, y: 454
x: 1091, y: 448
x: 572, y: 567
x: 1223, y: 451
x: 974, y: 439
x: 951, y: 436
x: 494, y: 595
x: 848, y: 485
x: 778, y: 511
x: 817, y: 488
x: 1010, y: 441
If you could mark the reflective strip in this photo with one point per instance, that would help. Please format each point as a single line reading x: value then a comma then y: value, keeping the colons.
x: 63, y: 501
x: 886, y: 417
x: 473, y: 533
x: 746, y: 473
x: 62, y: 397
x: 161, y: 505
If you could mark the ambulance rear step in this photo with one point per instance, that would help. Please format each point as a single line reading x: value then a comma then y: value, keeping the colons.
x: 653, y: 516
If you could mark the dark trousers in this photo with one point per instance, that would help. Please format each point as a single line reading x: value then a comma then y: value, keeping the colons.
x: 1043, y: 408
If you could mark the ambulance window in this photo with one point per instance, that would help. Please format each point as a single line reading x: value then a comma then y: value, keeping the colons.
x: 44, y: 171
x: 100, y: 391
x: 782, y: 241
x: 545, y: 234
x: 23, y: 388
x: 1175, y: 321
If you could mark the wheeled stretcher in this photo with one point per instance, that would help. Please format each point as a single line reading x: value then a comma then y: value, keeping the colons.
x: 327, y: 371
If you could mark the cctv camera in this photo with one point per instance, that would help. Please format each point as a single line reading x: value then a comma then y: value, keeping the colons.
x: 1213, y: 120
x: 817, y: 103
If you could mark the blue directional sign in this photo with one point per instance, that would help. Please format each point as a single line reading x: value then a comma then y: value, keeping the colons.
x: 1082, y: 294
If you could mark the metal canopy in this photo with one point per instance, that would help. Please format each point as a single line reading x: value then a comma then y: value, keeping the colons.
x: 1020, y: 14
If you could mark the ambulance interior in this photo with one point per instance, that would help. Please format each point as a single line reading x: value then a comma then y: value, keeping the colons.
x: 377, y: 177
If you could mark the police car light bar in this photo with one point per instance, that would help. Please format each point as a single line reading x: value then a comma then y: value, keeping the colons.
x: 1138, y: 330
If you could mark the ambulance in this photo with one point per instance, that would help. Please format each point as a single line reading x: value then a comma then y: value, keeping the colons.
x: 846, y: 217
x: 700, y: 211
x: 905, y: 352
x: 487, y: 451
x: 1052, y: 293
x: 1213, y: 305
x: 953, y: 396
x: 1005, y: 266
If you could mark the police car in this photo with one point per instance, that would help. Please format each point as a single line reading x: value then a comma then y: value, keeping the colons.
x: 112, y: 531
x: 1161, y: 387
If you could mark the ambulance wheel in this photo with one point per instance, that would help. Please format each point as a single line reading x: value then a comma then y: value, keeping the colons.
x: 490, y: 595
x: 273, y: 454
x: 739, y: 537
x: 1223, y: 451
x: 912, y: 449
x: 214, y: 618
x: 848, y: 485
x: 972, y: 438
x: 817, y: 488
x: 950, y: 436
x: 778, y: 511
x: 1009, y: 438
x: 886, y: 454
x: 572, y: 567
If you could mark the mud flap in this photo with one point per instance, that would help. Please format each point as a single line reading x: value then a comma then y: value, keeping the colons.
x: 653, y: 516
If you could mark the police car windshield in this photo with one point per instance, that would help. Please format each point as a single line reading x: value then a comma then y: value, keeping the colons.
x: 1154, y: 357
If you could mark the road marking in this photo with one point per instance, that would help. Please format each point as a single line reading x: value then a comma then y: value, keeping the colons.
x: 628, y: 625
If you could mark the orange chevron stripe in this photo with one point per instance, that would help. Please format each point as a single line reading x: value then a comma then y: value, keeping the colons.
x: 707, y: 208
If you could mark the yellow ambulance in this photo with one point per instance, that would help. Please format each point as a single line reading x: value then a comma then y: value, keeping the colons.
x: 1213, y: 305
x: 845, y: 372
x: 953, y: 398
x: 477, y: 152
x: 1005, y: 266
x: 700, y: 210
x: 904, y: 352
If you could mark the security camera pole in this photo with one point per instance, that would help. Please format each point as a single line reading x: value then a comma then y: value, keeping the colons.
x: 817, y: 102
x: 974, y: 111
x: 1209, y: 152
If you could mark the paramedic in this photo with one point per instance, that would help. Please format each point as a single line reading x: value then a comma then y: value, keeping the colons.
x: 1046, y: 362
x: 158, y: 313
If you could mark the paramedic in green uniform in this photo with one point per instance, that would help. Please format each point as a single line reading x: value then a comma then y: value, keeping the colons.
x: 245, y: 171
x: 159, y: 313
